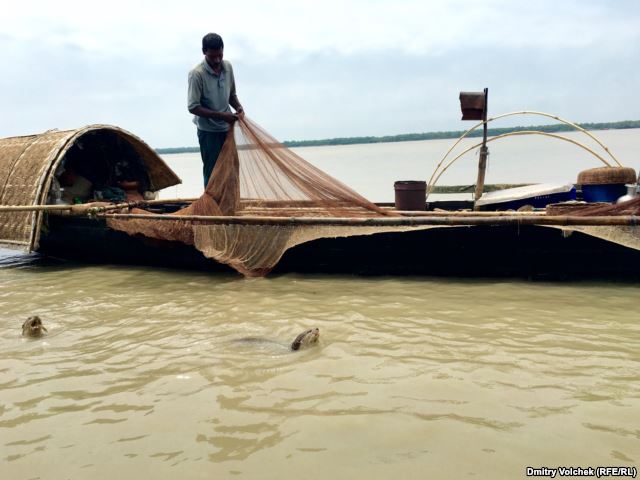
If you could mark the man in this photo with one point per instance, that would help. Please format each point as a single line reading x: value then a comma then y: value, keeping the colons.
x: 212, y: 90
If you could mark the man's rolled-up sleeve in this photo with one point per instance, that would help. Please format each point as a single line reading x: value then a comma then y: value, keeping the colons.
x: 194, y: 93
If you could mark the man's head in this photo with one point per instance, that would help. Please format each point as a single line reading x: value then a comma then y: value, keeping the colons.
x: 212, y: 47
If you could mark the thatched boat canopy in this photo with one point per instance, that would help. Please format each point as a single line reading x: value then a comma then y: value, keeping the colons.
x: 28, y: 165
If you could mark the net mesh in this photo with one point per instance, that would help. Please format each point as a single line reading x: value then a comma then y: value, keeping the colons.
x: 622, y: 235
x: 630, y: 207
x: 255, y: 175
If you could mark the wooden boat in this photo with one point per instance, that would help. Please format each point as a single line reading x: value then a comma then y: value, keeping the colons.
x: 478, y: 251
x: 461, y: 244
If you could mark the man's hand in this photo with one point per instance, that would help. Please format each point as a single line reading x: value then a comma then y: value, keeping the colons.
x: 240, y: 113
x: 228, y: 117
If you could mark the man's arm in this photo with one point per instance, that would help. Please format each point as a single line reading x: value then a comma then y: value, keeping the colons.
x: 201, y: 111
x: 235, y: 103
x: 233, y: 96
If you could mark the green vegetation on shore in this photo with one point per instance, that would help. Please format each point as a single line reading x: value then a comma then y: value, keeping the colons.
x: 407, y: 137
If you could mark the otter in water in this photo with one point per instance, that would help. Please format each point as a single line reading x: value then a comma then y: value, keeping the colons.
x: 306, y: 338
x: 33, y: 327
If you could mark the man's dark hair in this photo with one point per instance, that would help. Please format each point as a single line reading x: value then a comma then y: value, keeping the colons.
x: 212, y: 41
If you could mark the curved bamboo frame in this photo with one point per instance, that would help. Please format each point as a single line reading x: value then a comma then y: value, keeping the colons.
x: 431, y: 182
x: 510, y: 134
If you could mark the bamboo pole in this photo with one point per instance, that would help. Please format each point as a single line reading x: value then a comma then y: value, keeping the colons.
x: 33, y: 208
x: 170, y: 200
x: 114, y: 206
x: 451, y: 220
x: 484, y: 153
x: 482, y: 169
x: 139, y: 203
x: 142, y: 203
x: 467, y: 213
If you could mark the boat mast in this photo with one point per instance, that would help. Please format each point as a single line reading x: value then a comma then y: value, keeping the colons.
x: 474, y: 106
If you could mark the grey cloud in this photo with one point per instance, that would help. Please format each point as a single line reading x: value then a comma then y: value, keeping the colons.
x: 298, y: 95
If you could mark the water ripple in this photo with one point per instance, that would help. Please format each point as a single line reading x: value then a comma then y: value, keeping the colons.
x: 150, y: 367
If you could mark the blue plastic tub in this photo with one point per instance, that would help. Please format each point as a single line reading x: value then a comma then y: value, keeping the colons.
x: 604, y: 192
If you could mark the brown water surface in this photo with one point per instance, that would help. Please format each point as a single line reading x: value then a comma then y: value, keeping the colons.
x: 142, y: 376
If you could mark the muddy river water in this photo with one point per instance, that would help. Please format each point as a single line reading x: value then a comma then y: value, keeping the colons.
x: 142, y: 375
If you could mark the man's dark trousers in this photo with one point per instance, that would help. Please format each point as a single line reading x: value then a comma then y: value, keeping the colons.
x: 210, y: 146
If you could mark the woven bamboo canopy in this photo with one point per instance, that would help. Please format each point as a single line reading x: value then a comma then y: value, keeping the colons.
x: 28, y: 164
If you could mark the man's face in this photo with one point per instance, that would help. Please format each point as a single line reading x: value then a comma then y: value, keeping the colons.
x: 214, y: 57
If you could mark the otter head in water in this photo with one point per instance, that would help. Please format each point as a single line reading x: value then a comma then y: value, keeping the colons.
x: 306, y: 338
x: 33, y: 327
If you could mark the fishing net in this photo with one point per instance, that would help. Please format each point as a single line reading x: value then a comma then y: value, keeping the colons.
x: 622, y: 235
x: 255, y: 175
x: 630, y: 207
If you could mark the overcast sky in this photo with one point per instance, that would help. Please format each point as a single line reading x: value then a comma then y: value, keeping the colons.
x: 308, y: 70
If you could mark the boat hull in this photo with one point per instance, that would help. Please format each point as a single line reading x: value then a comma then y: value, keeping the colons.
x: 479, y: 251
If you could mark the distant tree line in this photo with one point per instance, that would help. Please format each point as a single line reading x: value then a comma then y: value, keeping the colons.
x: 559, y: 127
x: 165, y: 151
x: 407, y: 137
